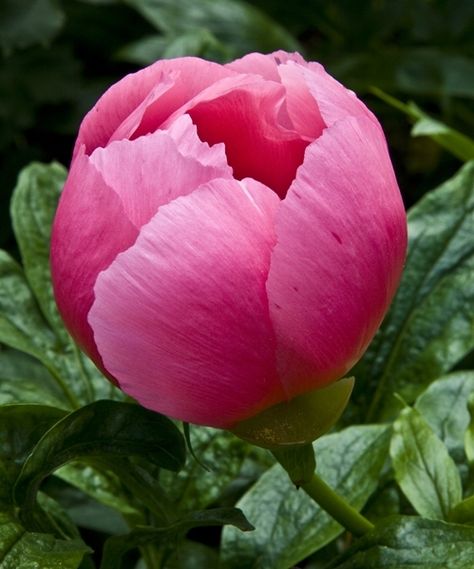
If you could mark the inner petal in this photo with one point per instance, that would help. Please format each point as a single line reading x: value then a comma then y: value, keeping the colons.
x: 248, y: 121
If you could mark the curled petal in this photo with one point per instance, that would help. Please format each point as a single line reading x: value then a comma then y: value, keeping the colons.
x: 142, y: 101
x: 341, y: 238
x: 181, y: 318
x: 155, y: 169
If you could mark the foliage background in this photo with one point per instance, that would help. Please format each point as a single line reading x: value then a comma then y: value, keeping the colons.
x: 58, y: 56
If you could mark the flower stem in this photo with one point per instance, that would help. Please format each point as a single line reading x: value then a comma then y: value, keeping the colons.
x: 336, y: 506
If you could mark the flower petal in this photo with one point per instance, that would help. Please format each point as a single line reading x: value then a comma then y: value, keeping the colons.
x: 155, y: 169
x: 341, y: 238
x: 90, y: 229
x: 165, y: 86
x: 244, y: 112
x: 335, y: 101
x: 181, y: 318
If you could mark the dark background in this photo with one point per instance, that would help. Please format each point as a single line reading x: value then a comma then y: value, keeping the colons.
x: 58, y: 56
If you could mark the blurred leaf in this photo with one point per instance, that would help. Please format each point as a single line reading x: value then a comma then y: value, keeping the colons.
x: 28, y: 22
x: 239, y: 26
x: 115, y: 547
x: 455, y: 142
x: 289, y: 525
x: 444, y: 407
x: 199, y: 42
x: 21, y: 427
x: 20, y: 549
x: 469, y: 435
x: 194, y: 487
x: 421, y: 71
x: 431, y: 321
x: 193, y: 555
x: 100, y: 429
x: 403, y: 543
x: 423, y: 468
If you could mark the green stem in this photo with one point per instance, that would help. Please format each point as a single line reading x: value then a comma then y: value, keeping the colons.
x: 336, y: 506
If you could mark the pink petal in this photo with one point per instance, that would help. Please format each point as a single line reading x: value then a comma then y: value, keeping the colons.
x: 264, y: 65
x: 165, y: 86
x: 90, y: 229
x: 341, y: 244
x: 243, y: 112
x: 301, y: 106
x: 155, y: 169
x: 181, y: 318
x: 335, y: 101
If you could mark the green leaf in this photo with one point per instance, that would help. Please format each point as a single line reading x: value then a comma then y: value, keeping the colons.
x: 289, y: 525
x: 116, y: 546
x: 430, y: 326
x: 20, y: 549
x: 100, y: 429
x: 423, y: 468
x: 238, y: 25
x: 455, y: 142
x: 21, y: 427
x: 24, y: 380
x: 33, y: 207
x: 194, y: 487
x: 21, y: 324
x: 28, y: 22
x: 102, y: 485
x: 444, y: 407
x: 404, y: 543
x: 469, y: 435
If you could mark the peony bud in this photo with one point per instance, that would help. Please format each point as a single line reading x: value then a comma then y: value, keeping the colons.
x: 229, y: 236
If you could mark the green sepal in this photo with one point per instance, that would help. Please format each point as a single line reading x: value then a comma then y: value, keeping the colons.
x: 300, y: 421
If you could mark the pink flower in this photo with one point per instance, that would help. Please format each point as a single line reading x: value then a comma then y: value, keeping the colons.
x: 229, y: 236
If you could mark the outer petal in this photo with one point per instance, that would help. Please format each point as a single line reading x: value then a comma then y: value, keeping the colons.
x: 335, y: 101
x: 182, y: 78
x: 90, y: 229
x: 155, y: 169
x: 181, y: 319
x: 341, y: 235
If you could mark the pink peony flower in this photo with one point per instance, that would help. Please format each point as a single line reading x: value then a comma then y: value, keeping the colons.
x: 229, y: 236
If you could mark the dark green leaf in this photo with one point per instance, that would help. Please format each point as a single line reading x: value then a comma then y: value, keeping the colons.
x: 100, y: 429
x: 289, y: 525
x: 444, y: 406
x: 431, y: 322
x: 404, y: 543
x: 423, y: 468
x: 21, y: 427
x: 20, y: 549
x: 116, y: 546
x: 195, y: 487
